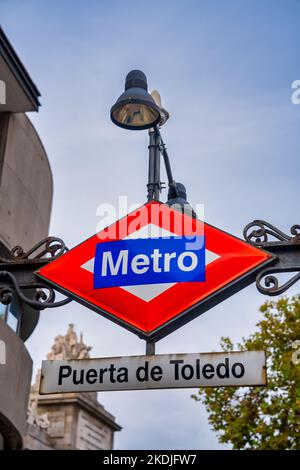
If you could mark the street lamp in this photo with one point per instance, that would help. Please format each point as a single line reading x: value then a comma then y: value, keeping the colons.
x: 136, y: 109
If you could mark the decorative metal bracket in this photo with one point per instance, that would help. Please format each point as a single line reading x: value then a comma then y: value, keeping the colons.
x: 17, y: 270
x: 285, y: 247
x: 17, y: 274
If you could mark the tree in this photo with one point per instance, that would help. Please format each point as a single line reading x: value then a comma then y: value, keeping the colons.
x: 263, y: 417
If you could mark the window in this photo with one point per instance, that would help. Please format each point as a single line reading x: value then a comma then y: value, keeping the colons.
x: 1, y: 441
x: 11, y: 314
x: 3, y: 309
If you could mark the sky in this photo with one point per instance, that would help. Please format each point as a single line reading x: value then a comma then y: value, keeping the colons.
x: 224, y: 71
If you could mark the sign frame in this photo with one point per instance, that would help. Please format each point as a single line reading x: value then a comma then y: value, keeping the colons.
x: 150, y: 372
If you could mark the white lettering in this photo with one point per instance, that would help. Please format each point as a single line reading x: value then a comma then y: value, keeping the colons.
x: 296, y: 94
x: 168, y: 257
x: 193, y: 264
x: 2, y: 92
x: 140, y: 264
x: 2, y: 352
x: 114, y: 269
x: 156, y: 255
x: 296, y: 354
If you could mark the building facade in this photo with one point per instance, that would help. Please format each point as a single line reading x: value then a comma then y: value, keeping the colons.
x: 26, y: 189
x: 68, y: 420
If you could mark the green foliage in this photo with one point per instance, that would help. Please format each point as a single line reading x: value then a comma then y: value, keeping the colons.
x: 262, y: 417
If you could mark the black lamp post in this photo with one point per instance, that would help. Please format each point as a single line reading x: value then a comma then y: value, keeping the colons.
x: 136, y: 109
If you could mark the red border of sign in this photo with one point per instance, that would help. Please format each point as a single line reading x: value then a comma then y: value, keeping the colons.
x: 238, y: 263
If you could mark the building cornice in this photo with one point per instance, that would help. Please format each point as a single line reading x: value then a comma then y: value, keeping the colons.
x: 18, y: 70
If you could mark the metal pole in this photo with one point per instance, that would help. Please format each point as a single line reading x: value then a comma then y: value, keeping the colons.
x: 154, y: 165
x: 163, y: 150
x: 150, y: 348
x: 151, y: 148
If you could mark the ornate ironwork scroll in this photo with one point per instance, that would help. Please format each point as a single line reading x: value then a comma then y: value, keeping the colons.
x: 52, y: 246
x: 259, y: 232
x: 267, y: 283
x: 44, y: 296
x: 17, y: 274
x: 286, y: 249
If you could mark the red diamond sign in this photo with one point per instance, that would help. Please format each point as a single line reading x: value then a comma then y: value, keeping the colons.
x: 155, y: 270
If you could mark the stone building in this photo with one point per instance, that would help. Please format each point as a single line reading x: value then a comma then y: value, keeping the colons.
x: 68, y: 420
x: 26, y: 189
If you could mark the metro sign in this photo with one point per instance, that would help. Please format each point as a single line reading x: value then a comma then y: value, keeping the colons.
x: 155, y: 270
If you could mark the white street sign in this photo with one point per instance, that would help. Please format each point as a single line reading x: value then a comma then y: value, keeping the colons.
x: 158, y: 371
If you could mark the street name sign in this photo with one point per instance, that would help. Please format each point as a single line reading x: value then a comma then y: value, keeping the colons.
x: 234, y: 369
x: 155, y: 269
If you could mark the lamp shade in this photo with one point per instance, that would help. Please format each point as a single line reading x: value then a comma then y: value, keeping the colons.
x: 135, y: 109
x: 177, y: 200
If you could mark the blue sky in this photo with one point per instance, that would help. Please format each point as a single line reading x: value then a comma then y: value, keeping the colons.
x: 224, y: 70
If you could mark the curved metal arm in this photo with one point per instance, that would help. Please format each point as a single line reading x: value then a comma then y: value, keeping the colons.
x: 42, y: 299
x: 287, y: 250
x: 262, y: 231
x: 17, y: 274
x: 267, y: 283
x: 52, y: 246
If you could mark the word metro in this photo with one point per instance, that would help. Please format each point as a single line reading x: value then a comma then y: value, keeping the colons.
x: 154, y: 261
